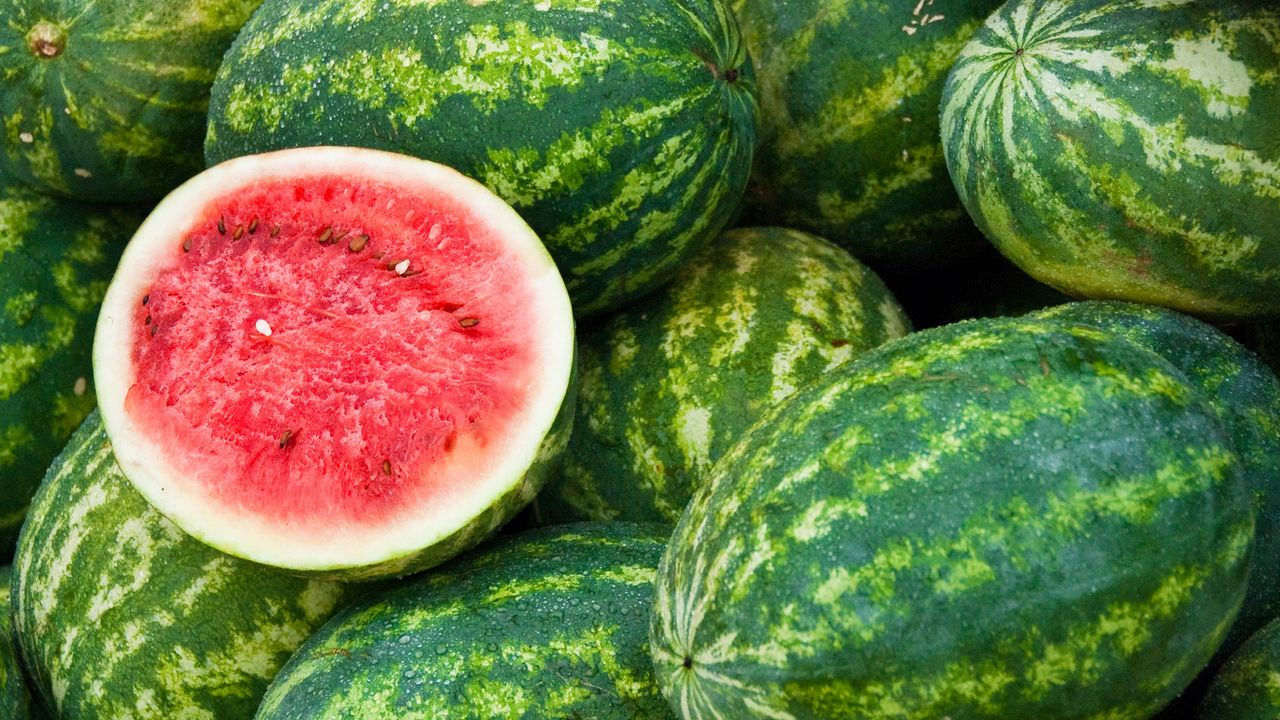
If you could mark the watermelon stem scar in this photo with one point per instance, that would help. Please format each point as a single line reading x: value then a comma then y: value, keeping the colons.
x: 46, y: 40
x: 324, y: 397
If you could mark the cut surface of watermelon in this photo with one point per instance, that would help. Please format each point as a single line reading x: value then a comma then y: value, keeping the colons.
x: 332, y: 358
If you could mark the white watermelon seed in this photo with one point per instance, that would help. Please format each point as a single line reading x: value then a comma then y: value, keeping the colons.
x: 262, y: 327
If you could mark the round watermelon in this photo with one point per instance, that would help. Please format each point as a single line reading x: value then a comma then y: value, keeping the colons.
x: 1247, y: 687
x: 15, y: 699
x: 339, y: 361
x: 106, y: 99
x: 56, y: 257
x: 546, y: 624
x: 670, y: 382
x: 120, y: 614
x: 994, y: 519
x: 1126, y: 150
x: 849, y: 149
x: 621, y: 130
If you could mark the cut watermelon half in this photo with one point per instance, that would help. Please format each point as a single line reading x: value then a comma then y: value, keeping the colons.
x: 337, y: 361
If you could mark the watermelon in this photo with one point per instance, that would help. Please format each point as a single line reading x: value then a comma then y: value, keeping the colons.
x: 546, y: 624
x: 1245, y: 395
x: 670, y: 382
x: 849, y: 95
x: 15, y: 700
x: 106, y: 99
x: 120, y: 614
x: 56, y: 257
x: 994, y: 519
x: 343, y: 362
x: 1248, y: 686
x: 1126, y: 150
x: 621, y: 130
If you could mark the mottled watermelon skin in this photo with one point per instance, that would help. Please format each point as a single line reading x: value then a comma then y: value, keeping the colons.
x: 119, y: 614
x: 1245, y: 395
x: 546, y: 624
x: 106, y: 99
x: 621, y: 130
x: 1126, y: 150
x: 56, y: 258
x: 849, y: 93
x: 995, y: 519
x: 15, y: 700
x: 1248, y: 685
x: 670, y: 382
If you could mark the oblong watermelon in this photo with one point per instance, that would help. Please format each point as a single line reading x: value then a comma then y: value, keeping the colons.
x: 1246, y: 687
x: 1245, y: 394
x: 546, y: 624
x: 56, y: 257
x: 106, y: 99
x: 849, y: 148
x: 621, y: 130
x: 336, y: 360
x: 994, y: 519
x: 1126, y: 150
x: 120, y: 614
x: 670, y: 382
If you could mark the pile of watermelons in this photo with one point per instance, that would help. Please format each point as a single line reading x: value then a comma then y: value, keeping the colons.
x: 610, y: 422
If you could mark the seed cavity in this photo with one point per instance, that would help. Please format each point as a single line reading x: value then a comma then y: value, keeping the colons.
x: 326, y: 237
x: 263, y: 327
x: 186, y: 245
x: 386, y: 468
x: 253, y: 226
x: 288, y: 439
x: 467, y: 322
x: 357, y: 243
x: 239, y: 232
x: 222, y: 226
x: 275, y: 230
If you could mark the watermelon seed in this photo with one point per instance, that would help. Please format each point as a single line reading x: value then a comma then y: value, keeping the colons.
x: 326, y: 237
x: 222, y: 226
x: 81, y: 386
x: 386, y: 467
x: 357, y: 243
x: 262, y: 327
x: 839, y: 343
x: 275, y: 230
x: 146, y: 298
x: 253, y: 226
x: 288, y: 439
x: 186, y: 245
x: 81, y: 172
x: 239, y: 233
x: 402, y: 267
x: 467, y: 322
x: 153, y: 330
x: 27, y: 138
x: 434, y: 232
x: 147, y: 321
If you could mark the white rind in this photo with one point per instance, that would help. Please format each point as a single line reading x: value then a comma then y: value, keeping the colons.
x: 279, y: 544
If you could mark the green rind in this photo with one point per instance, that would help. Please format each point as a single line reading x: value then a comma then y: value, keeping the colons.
x: 15, y: 700
x: 670, y: 382
x: 621, y: 130
x: 119, y: 614
x: 57, y: 258
x: 1248, y: 685
x: 119, y: 115
x: 995, y: 519
x: 849, y: 94
x: 546, y: 624
x: 1245, y: 395
x: 1126, y: 150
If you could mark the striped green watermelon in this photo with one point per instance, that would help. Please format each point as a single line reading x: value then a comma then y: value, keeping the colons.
x: 1247, y: 687
x: 15, y: 700
x: 621, y: 130
x: 119, y: 614
x: 56, y: 257
x: 670, y: 383
x: 1245, y: 395
x: 546, y: 624
x: 994, y: 519
x: 106, y: 99
x: 1127, y: 149
x: 849, y: 94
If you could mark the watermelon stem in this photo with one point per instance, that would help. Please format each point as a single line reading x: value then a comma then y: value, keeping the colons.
x: 46, y: 40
